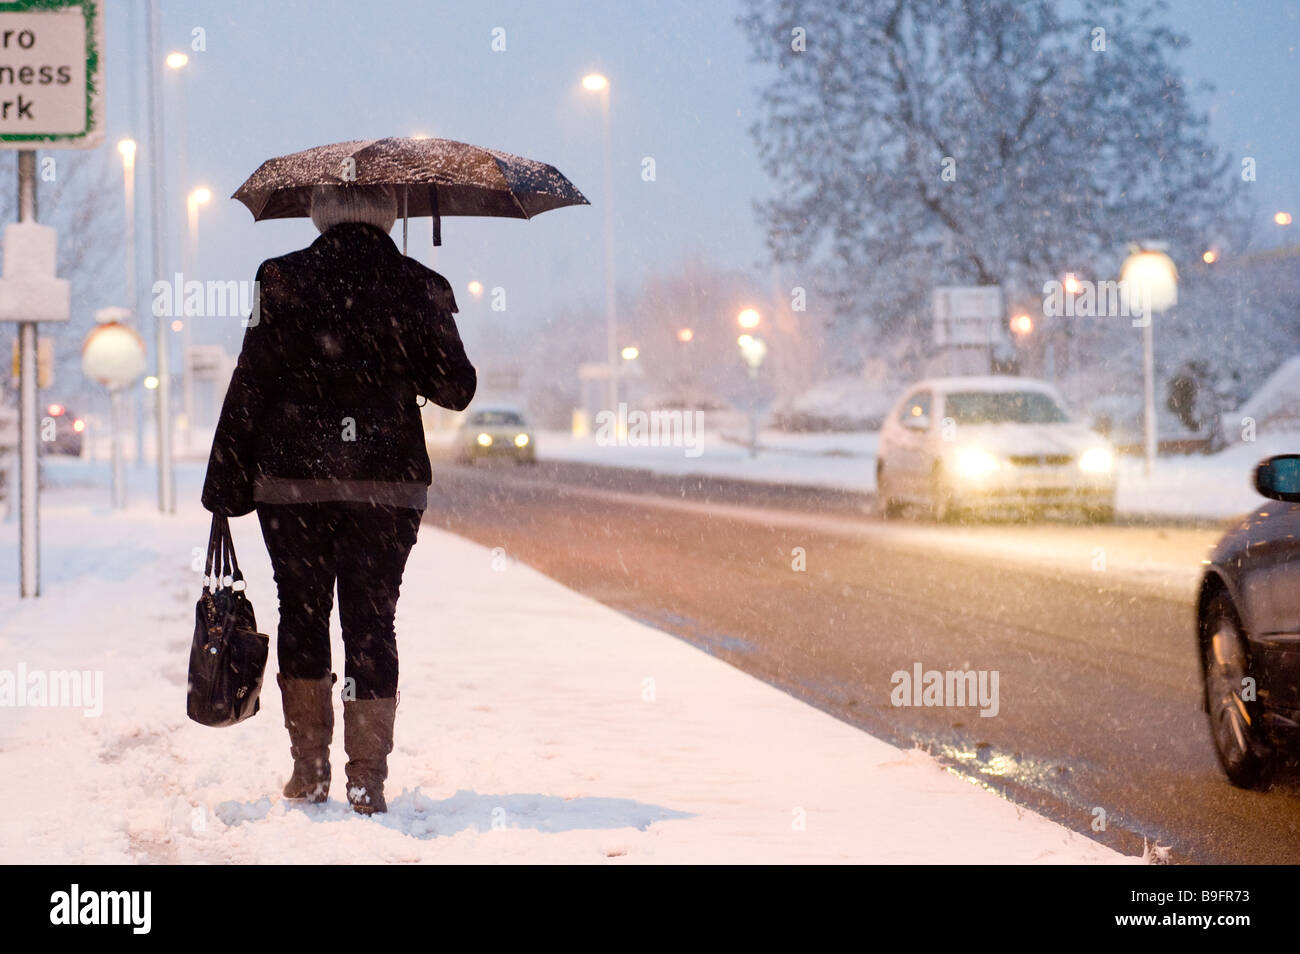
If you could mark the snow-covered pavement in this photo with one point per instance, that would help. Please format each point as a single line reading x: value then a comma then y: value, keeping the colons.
x: 535, y: 725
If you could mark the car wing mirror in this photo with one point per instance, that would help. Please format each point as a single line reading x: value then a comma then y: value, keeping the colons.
x: 1279, y: 478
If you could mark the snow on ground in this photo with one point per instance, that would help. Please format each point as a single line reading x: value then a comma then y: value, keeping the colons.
x: 1193, y: 486
x: 535, y: 726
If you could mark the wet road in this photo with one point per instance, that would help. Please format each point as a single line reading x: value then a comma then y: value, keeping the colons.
x: 1088, y: 628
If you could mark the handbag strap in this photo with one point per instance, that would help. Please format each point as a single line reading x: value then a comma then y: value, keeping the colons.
x: 221, y: 556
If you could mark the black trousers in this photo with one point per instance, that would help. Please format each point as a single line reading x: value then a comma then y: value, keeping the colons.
x: 363, y: 548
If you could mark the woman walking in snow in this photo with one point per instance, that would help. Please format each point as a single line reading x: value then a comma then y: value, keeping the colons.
x: 321, y: 434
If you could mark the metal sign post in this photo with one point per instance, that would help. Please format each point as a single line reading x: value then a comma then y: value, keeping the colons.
x: 61, y: 40
x: 29, y: 513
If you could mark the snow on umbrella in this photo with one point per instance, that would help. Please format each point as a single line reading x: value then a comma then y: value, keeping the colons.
x: 435, y: 177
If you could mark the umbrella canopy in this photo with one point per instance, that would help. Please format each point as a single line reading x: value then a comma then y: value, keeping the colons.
x: 434, y: 177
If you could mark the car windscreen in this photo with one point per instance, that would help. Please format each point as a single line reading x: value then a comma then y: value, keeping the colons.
x: 496, y: 419
x: 1004, y: 407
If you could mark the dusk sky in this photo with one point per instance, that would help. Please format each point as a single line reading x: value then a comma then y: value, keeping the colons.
x: 280, y: 77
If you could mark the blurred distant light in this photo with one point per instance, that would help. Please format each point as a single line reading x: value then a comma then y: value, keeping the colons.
x: 1022, y: 324
x: 177, y: 60
x: 630, y: 353
x: 1210, y: 256
x: 685, y: 335
x: 127, y: 148
x: 1071, y: 283
x: 595, y: 82
x: 151, y: 383
x: 177, y: 324
x: 748, y: 318
x: 200, y: 195
x: 1282, y: 218
x: 745, y: 341
x: 521, y: 440
x: 78, y: 425
x: 55, y: 410
x: 484, y: 440
x: 475, y: 288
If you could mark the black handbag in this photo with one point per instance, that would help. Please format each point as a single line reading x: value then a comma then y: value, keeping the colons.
x: 228, y: 655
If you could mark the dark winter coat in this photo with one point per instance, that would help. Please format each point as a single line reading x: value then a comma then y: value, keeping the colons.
x: 322, y: 403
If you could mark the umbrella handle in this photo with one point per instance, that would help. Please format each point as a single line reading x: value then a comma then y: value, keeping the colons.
x: 437, y: 219
x: 404, y: 208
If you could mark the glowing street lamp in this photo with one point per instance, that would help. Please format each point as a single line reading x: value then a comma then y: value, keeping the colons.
x: 1282, y: 218
x: 475, y: 288
x: 1210, y: 256
x: 598, y: 84
x: 685, y: 335
x: 748, y: 318
x: 630, y: 353
x: 1022, y: 324
x: 1149, y: 280
x: 176, y: 61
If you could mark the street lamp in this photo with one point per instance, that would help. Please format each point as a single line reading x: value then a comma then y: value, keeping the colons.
x: 127, y: 148
x: 748, y: 318
x: 1149, y: 281
x: 1282, y: 218
x: 753, y: 350
x: 1022, y: 324
x: 685, y: 335
x: 630, y: 353
x: 598, y: 83
x: 200, y: 196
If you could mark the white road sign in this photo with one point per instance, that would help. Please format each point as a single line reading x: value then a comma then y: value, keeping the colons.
x: 50, y: 95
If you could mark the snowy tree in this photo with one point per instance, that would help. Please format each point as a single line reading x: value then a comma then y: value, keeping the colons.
x: 924, y: 142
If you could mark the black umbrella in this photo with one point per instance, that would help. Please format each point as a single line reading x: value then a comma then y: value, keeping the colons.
x: 434, y: 177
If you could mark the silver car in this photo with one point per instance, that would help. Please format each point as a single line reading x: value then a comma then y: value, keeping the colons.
x: 954, y: 445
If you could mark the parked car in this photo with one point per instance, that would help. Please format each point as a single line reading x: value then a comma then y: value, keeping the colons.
x: 68, y: 432
x: 1248, y: 630
x: 495, y: 432
x: 962, y: 444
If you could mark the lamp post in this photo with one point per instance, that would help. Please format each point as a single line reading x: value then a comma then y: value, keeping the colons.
x: 599, y: 84
x: 1149, y: 282
x: 127, y: 149
x: 753, y: 350
x: 166, y: 474
x: 200, y: 196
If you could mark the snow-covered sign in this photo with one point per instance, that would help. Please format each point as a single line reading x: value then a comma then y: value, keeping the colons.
x: 29, y: 290
x: 50, y: 54
x: 967, y: 316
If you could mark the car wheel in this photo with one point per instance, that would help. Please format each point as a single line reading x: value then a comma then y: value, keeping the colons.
x: 1239, y: 738
x: 889, y: 506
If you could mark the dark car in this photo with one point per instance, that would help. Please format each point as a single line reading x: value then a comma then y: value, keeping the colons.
x: 62, y: 432
x: 1248, y: 630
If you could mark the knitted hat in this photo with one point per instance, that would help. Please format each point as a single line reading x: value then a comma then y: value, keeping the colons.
x: 333, y: 205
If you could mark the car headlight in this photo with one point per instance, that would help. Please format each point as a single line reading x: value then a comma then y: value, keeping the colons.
x: 521, y: 440
x: 484, y: 440
x: 1097, y: 460
x: 973, y: 463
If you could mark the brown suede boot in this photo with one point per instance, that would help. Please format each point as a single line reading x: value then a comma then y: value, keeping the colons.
x: 368, y: 738
x: 309, y: 717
